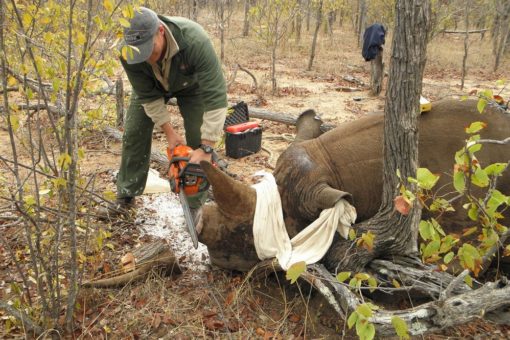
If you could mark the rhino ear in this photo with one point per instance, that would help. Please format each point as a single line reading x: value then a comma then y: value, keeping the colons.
x: 234, y: 199
x: 308, y: 126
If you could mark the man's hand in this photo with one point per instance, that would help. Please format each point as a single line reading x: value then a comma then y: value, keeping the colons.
x: 200, y: 155
x: 172, y: 138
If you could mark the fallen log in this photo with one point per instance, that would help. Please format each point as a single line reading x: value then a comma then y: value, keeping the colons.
x: 284, y: 118
x: 36, y: 107
x: 469, y: 32
x: 9, y: 89
x: 153, y: 256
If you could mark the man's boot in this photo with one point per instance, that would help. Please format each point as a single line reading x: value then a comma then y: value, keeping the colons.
x: 122, y: 207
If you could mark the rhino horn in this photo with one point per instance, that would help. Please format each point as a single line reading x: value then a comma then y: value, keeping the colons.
x: 308, y: 126
x: 234, y: 199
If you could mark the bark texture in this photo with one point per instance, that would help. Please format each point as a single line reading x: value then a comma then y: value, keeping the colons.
x: 396, y: 234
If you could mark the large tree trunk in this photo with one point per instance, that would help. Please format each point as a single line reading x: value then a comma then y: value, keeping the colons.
x: 377, y: 73
x: 466, y: 45
x: 501, y: 30
x: 299, y: 21
x: 396, y: 234
x: 246, y: 24
x: 362, y: 17
x: 315, y: 35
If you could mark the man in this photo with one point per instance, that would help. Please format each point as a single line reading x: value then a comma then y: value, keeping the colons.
x: 168, y: 57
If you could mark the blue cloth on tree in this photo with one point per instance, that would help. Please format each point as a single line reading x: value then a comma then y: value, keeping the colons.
x: 373, y: 39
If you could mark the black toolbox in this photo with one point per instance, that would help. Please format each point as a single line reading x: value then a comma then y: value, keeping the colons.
x: 243, y: 139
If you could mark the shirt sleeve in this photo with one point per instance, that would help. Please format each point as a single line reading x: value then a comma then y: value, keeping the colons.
x: 212, y: 126
x: 157, y: 111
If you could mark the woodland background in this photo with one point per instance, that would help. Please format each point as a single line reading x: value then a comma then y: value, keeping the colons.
x: 63, y: 90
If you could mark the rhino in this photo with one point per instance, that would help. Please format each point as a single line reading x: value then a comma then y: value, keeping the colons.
x: 346, y: 162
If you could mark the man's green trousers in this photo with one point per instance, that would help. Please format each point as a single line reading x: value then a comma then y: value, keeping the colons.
x: 137, y: 141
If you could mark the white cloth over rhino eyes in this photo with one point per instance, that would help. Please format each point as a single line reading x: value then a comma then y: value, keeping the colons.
x: 311, y: 244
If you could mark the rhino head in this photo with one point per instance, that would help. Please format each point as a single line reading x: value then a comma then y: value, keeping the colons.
x: 226, y: 225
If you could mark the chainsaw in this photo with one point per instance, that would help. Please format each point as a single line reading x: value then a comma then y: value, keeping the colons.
x: 186, y: 179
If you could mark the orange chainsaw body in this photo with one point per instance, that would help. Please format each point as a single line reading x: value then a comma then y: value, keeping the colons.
x: 184, y: 175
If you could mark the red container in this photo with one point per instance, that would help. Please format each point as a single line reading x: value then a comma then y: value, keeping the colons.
x: 242, y: 127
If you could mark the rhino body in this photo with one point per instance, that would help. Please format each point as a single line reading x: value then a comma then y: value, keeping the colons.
x: 346, y: 162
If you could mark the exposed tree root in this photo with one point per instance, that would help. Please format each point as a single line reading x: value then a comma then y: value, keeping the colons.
x: 455, y: 303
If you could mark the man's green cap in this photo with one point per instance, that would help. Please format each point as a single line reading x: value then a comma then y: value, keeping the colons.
x: 140, y: 34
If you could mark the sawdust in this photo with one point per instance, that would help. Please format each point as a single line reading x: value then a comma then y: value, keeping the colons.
x: 161, y: 216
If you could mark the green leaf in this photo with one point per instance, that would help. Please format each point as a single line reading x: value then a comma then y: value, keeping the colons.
x: 352, y: 234
x: 448, y: 257
x: 469, y: 280
x: 353, y: 282
x: 426, y: 179
x: 352, y: 319
x: 461, y: 158
x: 364, y: 310
x: 431, y: 248
x: 14, y: 120
x: 480, y: 178
x: 496, y: 200
x: 459, y: 182
x: 362, y: 276
x: 475, y: 127
x: 109, y: 195
x: 124, y: 22
x: 400, y: 327
x: 361, y: 327
x: 495, y: 169
x: 426, y: 230
x: 500, y: 82
x: 372, y: 283
x: 473, y: 212
x: 369, y: 332
x: 29, y: 200
x: 295, y: 271
x: 341, y: 277
x: 108, y: 6
x: 474, y: 147
x: 64, y: 160
x: 481, y: 104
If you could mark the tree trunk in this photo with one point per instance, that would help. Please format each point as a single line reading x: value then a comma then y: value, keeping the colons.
x: 362, y: 11
x: 299, y: 21
x: 466, y: 45
x: 396, y: 234
x: 221, y: 13
x: 308, y: 14
x: 501, y: 30
x: 246, y: 24
x: 377, y: 73
x: 315, y: 35
x: 273, y: 68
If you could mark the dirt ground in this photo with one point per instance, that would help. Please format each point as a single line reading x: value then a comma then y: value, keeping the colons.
x: 206, y: 302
